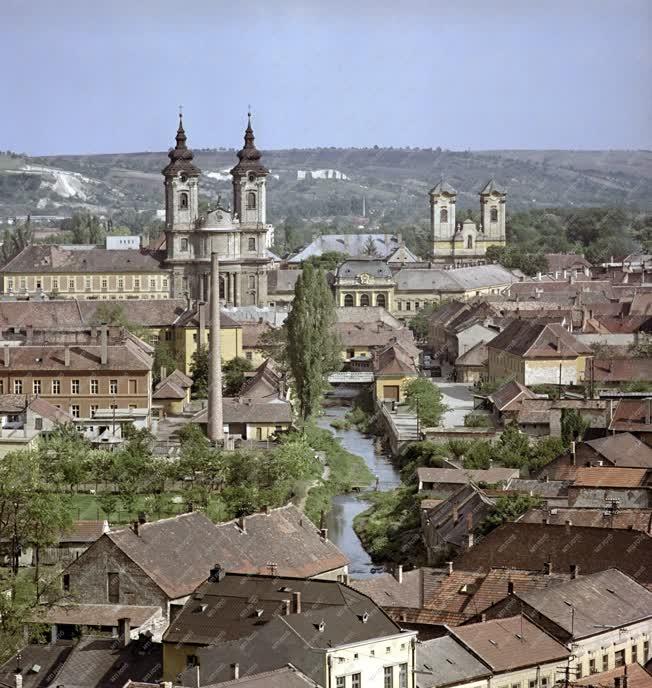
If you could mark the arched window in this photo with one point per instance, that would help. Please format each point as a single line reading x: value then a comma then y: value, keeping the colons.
x: 252, y: 244
x: 443, y: 215
x: 469, y: 241
x: 364, y: 299
x: 348, y: 299
x: 251, y: 200
x: 183, y: 200
x: 381, y: 301
x: 493, y: 215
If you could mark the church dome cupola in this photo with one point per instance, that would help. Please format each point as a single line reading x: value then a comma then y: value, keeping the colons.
x: 181, y: 156
x: 249, y: 156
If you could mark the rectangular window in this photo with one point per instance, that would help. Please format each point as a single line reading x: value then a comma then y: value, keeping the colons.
x: 252, y: 244
x: 408, y: 305
x: 620, y: 658
x: 417, y: 305
x: 56, y: 386
x: 340, y: 682
x: 400, y: 305
x: 133, y: 386
x: 113, y: 386
x: 23, y: 283
x: 55, y: 284
x: 94, y: 408
x: 544, y: 682
x: 95, y: 386
x: 121, y: 283
x: 165, y: 283
x: 605, y: 662
x: 403, y: 676
x: 18, y: 386
x: 389, y: 677
x: 356, y: 680
x: 646, y: 650
x: 74, y: 386
x: 36, y: 386
x: 136, y: 283
x: 74, y: 411
x: 105, y: 283
x: 113, y: 587
x: 634, y: 653
x: 249, y: 355
x: 38, y: 423
x: 593, y: 667
x: 10, y: 283
x: 71, y: 284
x: 66, y: 582
x: 39, y: 283
x: 152, y: 284
x: 87, y: 283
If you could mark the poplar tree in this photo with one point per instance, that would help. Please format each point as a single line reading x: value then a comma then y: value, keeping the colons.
x: 312, y: 349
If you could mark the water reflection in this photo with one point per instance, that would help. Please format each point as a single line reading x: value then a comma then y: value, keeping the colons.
x: 346, y: 507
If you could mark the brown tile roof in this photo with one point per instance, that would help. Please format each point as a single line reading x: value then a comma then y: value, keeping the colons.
x: 83, y: 357
x: 41, y: 314
x: 476, y: 356
x: 394, y: 360
x: 284, y: 536
x: 45, y: 259
x: 179, y: 378
x: 374, y: 335
x: 166, y: 389
x: 636, y: 519
x: 252, y: 332
x: 619, y: 370
x: 641, y: 304
x: 606, y: 476
x: 386, y: 591
x: 84, y: 531
x: 147, y: 313
x: 510, y: 644
x: 251, y: 410
x: 623, y: 450
x: 637, y: 677
x: 633, y: 415
x: 367, y: 314
x: 533, y: 339
x: 558, y: 262
x: 287, y: 677
x: 266, y: 382
x: 94, y: 614
x: 49, y: 657
x: 510, y: 392
x: 528, y: 546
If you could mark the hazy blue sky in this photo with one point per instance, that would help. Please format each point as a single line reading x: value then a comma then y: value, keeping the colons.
x: 107, y: 76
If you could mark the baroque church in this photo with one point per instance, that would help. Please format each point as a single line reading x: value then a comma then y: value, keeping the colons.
x: 239, y: 234
x: 464, y: 242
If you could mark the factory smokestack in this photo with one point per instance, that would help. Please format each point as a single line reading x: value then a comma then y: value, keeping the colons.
x: 215, y: 422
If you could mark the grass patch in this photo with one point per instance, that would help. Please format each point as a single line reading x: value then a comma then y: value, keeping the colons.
x: 390, y: 529
x: 340, y: 424
x: 476, y: 420
x: 346, y: 471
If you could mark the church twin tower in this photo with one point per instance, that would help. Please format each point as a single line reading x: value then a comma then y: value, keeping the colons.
x: 464, y: 241
x: 240, y: 235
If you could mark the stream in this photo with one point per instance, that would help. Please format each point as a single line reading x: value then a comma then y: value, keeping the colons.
x: 346, y: 507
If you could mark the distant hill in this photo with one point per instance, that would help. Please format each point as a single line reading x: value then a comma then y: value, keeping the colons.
x: 327, y: 182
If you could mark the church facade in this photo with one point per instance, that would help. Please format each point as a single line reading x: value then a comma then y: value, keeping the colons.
x: 465, y: 242
x: 239, y: 233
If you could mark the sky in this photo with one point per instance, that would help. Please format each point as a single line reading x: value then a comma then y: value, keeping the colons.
x: 95, y: 76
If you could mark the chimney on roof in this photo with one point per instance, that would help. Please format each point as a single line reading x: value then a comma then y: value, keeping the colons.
x: 105, y: 526
x: 104, y: 345
x: 242, y: 523
x: 469, y: 539
x: 483, y: 617
x: 66, y: 356
x: 235, y: 671
x: 217, y: 574
x: 450, y: 567
x: 398, y: 573
x: 296, y: 602
x: 142, y: 518
x: 568, y: 522
x: 323, y: 532
x: 547, y: 568
x: 510, y: 587
x: 124, y: 630
x: 574, y: 571
x: 136, y: 526
x: 7, y: 357
x: 164, y: 373
x: 287, y: 606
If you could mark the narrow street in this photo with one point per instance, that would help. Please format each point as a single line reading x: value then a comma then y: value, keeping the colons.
x: 458, y: 396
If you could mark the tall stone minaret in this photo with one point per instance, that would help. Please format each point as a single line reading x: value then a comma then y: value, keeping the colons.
x: 215, y: 416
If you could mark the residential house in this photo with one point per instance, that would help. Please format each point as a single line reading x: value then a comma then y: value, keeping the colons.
x: 632, y: 415
x: 446, y: 481
x: 542, y: 417
x: 23, y: 419
x: 618, y: 372
x: 471, y: 367
x: 629, y: 487
x: 628, y: 676
x: 252, y: 418
x: 539, y: 547
x: 507, y: 400
x: 449, y: 528
x: 623, y: 450
x: 86, y: 272
x: 161, y: 563
x: 172, y: 393
x: 252, y: 340
x: 565, y: 264
x: 394, y: 366
x: 604, y: 617
x: 532, y: 352
x: 552, y: 492
x: 79, y: 371
x: 361, y: 340
x: 331, y: 632
x: 517, y: 651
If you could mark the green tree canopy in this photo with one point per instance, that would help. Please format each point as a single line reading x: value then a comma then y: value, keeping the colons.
x: 425, y: 399
x: 233, y: 375
x: 200, y: 371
